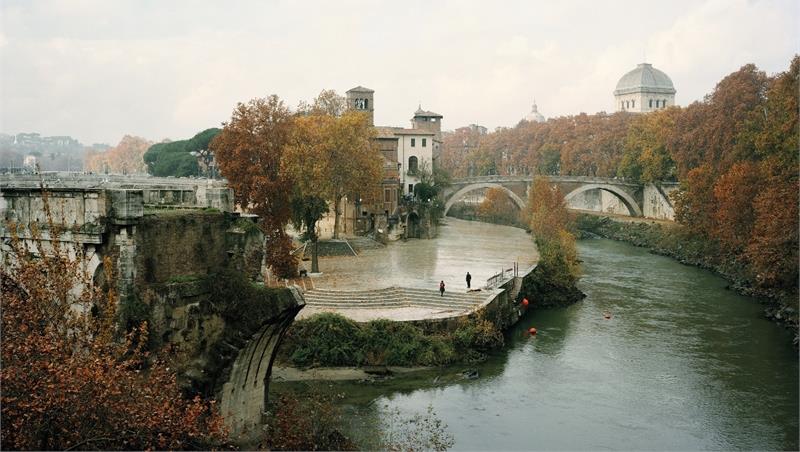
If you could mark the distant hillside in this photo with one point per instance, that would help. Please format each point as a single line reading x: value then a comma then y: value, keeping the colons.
x: 53, y: 153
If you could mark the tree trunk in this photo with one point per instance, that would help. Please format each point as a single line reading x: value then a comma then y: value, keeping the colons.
x: 336, y: 212
x: 314, y: 254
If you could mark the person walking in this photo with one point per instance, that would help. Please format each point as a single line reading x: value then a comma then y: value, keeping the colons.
x: 441, y: 288
x: 469, y: 279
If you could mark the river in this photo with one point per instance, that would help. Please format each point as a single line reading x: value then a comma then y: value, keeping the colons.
x: 683, y: 363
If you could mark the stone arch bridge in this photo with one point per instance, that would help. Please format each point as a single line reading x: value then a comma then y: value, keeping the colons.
x: 651, y: 200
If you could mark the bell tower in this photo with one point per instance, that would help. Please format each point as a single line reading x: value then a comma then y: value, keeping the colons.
x: 361, y: 99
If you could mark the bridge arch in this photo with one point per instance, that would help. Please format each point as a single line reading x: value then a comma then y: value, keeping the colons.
x: 455, y: 197
x: 622, y: 195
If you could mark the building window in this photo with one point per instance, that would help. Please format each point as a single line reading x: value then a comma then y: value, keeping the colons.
x: 387, y: 195
x: 412, y: 165
x: 413, y: 142
x: 633, y: 104
x: 424, y: 142
x: 411, y: 188
x: 366, y: 104
x: 622, y: 105
x: 664, y: 103
x: 651, y: 103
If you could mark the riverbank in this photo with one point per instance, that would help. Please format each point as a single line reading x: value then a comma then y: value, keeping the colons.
x: 672, y: 240
x: 293, y: 374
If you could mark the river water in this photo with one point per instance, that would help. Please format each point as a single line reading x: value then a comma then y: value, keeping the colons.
x: 681, y: 364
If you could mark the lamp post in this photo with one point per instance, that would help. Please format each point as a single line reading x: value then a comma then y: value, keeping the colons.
x: 358, y: 213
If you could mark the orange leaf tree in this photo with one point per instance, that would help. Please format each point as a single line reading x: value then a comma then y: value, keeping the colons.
x: 126, y: 157
x: 497, y: 207
x: 249, y: 151
x: 334, y: 156
x: 550, y: 225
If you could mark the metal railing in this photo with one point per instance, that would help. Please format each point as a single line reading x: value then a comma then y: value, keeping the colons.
x: 504, y: 275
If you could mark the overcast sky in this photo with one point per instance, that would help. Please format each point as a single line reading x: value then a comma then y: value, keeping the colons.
x: 100, y: 69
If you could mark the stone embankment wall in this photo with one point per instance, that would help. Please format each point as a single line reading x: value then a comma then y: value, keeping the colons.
x: 504, y: 309
x: 170, y: 243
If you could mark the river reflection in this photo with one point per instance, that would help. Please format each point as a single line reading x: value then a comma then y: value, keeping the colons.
x: 682, y: 364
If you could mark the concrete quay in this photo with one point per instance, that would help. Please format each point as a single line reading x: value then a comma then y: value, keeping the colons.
x: 400, y: 281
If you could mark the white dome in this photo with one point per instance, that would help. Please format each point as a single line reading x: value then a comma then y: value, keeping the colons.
x: 534, y: 115
x: 645, y: 78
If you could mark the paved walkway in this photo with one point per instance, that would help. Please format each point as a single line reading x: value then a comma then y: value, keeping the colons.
x: 407, y: 274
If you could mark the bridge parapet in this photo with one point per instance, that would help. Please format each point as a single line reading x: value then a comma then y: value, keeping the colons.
x: 168, y: 192
x: 554, y: 179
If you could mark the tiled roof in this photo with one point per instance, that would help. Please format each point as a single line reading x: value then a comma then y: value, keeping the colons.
x: 391, y: 132
x: 421, y: 112
x: 360, y: 89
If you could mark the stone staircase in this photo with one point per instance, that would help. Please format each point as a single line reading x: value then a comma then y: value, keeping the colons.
x: 360, y: 243
x: 394, y: 297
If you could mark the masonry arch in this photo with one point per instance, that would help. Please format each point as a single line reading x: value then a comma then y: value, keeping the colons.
x: 472, y: 187
x: 622, y: 195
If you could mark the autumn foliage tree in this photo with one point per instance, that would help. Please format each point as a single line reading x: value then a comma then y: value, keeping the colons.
x: 497, y: 207
x: 124, y: 158
x: 734, y: 217
x: 333, y: 156
x: 550, y: 223
x: 249, y: 151
x: 71, y: 379
x: 743, y: 193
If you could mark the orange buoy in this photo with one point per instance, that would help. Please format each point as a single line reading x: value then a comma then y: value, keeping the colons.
x: 524, y: 302
x: 532, y: 331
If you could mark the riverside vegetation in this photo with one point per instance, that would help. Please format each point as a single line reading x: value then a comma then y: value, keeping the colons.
x: 329, y: 339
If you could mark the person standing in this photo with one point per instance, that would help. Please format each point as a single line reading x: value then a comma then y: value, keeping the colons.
x: 441, y: 289
x: 469, y: 279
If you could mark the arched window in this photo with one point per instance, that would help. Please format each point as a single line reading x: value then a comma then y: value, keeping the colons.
x: 412, y: 165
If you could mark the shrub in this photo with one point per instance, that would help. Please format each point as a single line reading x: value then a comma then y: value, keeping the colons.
x: 325, y: 340
x: 477, y: 334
